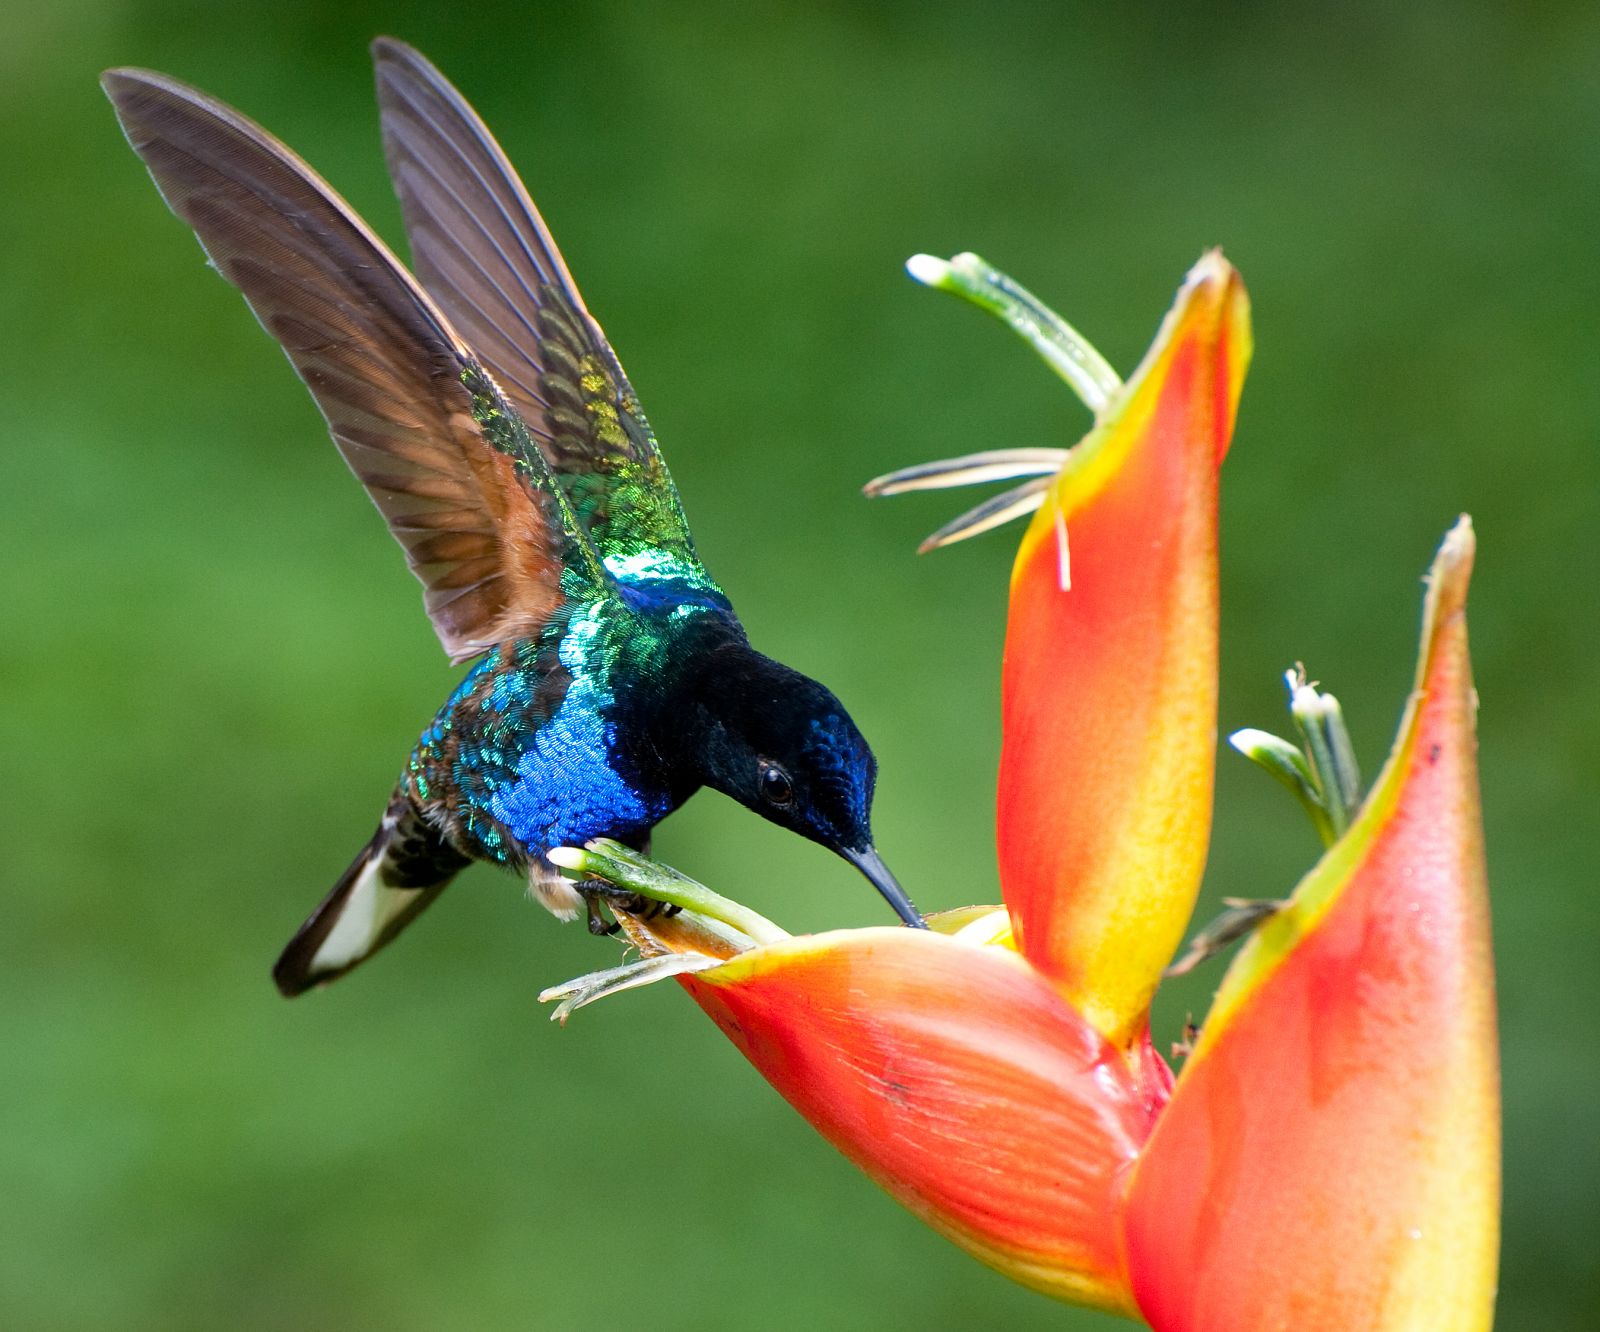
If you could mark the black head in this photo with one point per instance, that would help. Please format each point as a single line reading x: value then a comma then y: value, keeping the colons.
x: 782, y: 745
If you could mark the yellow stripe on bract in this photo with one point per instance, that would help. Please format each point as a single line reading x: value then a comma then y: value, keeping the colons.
x: 769, y: 957
x: 960, y: 918
x: 993, y: 928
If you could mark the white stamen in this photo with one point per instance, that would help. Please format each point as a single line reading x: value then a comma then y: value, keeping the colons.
x: 1063, y: 556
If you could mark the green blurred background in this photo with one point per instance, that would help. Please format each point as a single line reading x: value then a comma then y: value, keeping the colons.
x: 213, y: 660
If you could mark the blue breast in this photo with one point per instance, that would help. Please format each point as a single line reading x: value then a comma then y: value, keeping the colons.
x: 569, y: 783
x: 567, y: 788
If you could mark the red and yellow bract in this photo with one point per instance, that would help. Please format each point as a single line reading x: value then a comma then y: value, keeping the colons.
x: 1329, y: 1156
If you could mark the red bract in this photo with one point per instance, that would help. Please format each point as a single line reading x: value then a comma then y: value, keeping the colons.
x: 1338, y: 1123
x: 960, y: 1081
x: 1329, y: 1155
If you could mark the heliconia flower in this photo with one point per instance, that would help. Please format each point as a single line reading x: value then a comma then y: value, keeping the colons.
x: 1328, y: 1156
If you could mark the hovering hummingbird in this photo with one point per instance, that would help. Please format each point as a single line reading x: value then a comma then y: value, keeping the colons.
x: 491, y: 423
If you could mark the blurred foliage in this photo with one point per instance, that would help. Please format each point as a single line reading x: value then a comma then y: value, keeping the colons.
x: 213, y: 661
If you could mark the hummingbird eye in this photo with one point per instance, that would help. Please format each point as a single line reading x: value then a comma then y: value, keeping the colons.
x: 776, y: 788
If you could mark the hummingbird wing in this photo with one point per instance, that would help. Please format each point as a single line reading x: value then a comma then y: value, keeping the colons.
x: 481, y: 249
x: 445, y: 458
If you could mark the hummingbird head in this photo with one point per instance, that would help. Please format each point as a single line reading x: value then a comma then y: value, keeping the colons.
x: 782, y: 745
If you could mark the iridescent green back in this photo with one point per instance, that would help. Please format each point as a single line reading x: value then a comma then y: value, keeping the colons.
x: 483, y: 253
x: 604, y: 455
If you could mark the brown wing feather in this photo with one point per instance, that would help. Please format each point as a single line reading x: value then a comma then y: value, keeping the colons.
x: 484, y: 253
x: 480, y: 525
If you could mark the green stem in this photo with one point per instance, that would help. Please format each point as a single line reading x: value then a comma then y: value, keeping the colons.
x: 1064, y: 349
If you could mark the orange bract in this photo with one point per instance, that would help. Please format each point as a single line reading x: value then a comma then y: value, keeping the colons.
x: 960, y: 1081
x: 1329, y: 1156
x: 1110, y: 680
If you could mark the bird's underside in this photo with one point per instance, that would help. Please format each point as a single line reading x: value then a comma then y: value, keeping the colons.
x: 528, y: 754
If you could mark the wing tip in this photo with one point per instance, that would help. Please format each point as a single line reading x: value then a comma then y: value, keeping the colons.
x: 118, y: 74
x: 385, y: 48
x: 122, y: 83
x: 124, y: 80
x: 147, y: 97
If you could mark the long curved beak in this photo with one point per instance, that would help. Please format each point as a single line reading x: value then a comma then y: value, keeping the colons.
x: 870, y: 863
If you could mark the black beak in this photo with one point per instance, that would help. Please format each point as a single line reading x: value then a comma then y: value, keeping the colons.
x: 870, y: 863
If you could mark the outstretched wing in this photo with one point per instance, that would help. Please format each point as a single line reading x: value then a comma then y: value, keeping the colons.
x: 481, y: 249
x: 425, y: 430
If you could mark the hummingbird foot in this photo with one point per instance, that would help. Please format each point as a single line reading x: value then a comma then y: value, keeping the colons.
x: 607, y: 865
x: 599, y: 926
x: 621, y: 899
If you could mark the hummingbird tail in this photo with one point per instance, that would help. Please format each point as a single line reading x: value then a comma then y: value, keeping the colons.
x: 398, y: 873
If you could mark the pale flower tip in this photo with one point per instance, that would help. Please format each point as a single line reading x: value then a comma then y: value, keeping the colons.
x: 1452, y: 566
x: 928, y: 270
x: 1265, y: 748
x: 1448, y: 577
x: 567, y: 857
x: 1214, y: 286
x: 1211, y: 267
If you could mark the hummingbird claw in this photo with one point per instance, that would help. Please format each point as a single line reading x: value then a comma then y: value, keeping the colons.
x: 599, y: 926
x: 621, y: 899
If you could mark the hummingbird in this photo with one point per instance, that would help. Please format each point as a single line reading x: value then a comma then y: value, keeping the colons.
x: 482, y: 408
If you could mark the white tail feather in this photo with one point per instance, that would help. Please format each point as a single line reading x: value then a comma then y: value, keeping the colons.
x: 368, y: 908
